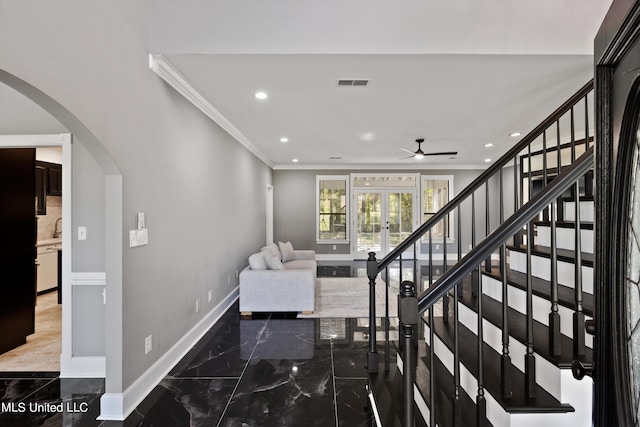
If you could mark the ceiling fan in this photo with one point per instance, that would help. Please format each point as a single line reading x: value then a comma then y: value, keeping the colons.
x: 419, y: 154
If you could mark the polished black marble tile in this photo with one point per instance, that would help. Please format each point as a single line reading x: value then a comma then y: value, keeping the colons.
x: 285, y: 392
x: 59, y: 402
x: 352, y: 404
x: 16, y: 389
x: 193, y: 402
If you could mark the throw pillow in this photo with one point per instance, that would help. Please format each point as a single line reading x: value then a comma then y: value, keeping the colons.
x: 273, y: 248
x: 273, y: 263
x: 286, y: 249
x: 256, y: 262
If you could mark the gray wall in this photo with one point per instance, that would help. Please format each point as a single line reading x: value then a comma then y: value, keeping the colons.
x: 295, y: 206
x: 203, y: 194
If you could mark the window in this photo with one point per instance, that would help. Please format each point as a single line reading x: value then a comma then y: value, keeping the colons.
x: 437, y: 191
x: 332, y: 199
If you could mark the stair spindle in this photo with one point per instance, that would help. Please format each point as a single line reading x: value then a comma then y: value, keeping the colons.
x: 554, y: 316
x: 505, y: 366
x: 481, y: 401
x: 457, y: 402
x: 578, y: 315
x: 487, y: 224
x: 529, y: 359
x: 445, y: 298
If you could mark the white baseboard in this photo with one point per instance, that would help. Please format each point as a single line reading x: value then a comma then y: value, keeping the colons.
x: 82, y: 367
x: 117, y: 406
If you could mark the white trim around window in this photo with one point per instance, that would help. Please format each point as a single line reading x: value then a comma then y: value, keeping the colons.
x: 423, y: 185
x: 318, y: 220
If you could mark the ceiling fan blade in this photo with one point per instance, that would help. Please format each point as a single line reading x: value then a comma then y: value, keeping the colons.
x: 445, y: 153
x: 407, y: 150
x: 408, y: 157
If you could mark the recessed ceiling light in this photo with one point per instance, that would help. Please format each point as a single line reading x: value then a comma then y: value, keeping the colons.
x: 514, y: 134
x: 284, y: 139
x: 487, y: 160
x: 368, y: 136
x: 295, y: 160
x: 261, y: 95
x: 488, y: 145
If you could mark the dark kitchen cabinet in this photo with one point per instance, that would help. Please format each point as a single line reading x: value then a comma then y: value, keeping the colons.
x: 41, y: 190
x: 54, y: 180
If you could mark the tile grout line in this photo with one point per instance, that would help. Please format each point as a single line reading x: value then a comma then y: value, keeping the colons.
x: 242, y: 373
x: 333, y: 376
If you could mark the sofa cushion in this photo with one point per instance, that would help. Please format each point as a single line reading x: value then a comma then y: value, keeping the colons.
x: 273, y: 263
x: 300, y: 264
x: 257, y: 262
x: 286, y: 249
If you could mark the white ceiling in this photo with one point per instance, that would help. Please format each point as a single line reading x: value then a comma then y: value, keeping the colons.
x: 459, y: 73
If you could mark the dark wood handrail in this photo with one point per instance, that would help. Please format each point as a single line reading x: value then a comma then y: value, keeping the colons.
x: 483, y: 177
x: 525, y: 214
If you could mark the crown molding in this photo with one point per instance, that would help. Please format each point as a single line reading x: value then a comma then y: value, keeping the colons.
x: 378, y: 167
x: 170, y: 74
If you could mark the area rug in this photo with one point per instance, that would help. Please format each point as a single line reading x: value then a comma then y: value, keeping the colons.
x: 349, y: 297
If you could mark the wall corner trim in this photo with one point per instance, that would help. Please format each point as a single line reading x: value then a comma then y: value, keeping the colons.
x: 117, y: 406
x: 170, y: 74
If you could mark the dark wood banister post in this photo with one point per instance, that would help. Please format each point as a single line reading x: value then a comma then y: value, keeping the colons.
x: 372, y: 272
x: 408, y: 314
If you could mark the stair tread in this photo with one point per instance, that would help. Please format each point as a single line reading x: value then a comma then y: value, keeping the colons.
x: 445, y: 391
x: 565, y: 255
x: 584, y: 225
x: 468, y: 353
x: 388, y: 392
x: 583, y: 198
x: 542, y: 288
x: 492, y: 311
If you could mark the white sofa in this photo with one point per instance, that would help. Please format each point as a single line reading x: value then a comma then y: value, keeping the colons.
x: 279, y: 279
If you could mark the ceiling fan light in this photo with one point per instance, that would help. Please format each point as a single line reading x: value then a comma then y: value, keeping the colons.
x: 419, y: 156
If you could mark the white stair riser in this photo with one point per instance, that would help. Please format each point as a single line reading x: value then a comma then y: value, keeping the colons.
x: 541, y: 307
x: 541, y: 267
x: 565, y: 238
x: 547, y: 375
x: 587, y: 210
x: 574, y: 392
x: 469, y: 384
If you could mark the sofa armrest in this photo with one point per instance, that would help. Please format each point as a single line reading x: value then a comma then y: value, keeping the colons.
x: 305, y: 254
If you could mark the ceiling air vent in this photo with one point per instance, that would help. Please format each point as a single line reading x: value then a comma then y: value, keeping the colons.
x: 353, y: 82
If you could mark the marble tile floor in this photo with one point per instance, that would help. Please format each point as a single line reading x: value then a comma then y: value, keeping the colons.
x: 274, y: 370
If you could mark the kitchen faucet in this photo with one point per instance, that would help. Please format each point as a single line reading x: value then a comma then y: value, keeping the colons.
x: 57, y: 233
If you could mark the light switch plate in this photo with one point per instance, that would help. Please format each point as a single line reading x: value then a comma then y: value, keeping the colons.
x: 138, y: 238
x: 82, y: 233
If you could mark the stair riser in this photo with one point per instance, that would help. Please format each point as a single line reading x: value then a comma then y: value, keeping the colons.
x: 587, y: 211
x: 547, y: 375
x: 495, y: 413
x: 565, y: 238
x: 541, y: 307
x: 541, y: 267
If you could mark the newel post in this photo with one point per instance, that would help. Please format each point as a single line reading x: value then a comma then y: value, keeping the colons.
x: 408, y: 314
x: 372, y: 272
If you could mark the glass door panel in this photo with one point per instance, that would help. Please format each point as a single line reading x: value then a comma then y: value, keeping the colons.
x: 368, y: 229
x: 384, y: 218
x: 400, y: 218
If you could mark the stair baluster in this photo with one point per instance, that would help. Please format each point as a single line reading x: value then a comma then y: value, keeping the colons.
x: 529, y: 359
x: 457, y: 398
x: 481, y: 400
x: 554, y: 315
x: 578, y: 315
x: 505, y: 367
x: 445, y: 298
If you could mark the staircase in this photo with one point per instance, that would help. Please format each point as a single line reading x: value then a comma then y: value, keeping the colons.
x: 510, y: 343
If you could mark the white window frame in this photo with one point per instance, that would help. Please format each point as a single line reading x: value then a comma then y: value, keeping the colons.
x: 347, y: 183
x: 451, y: 221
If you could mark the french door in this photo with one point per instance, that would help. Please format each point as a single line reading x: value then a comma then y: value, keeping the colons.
x: 383, y: 218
